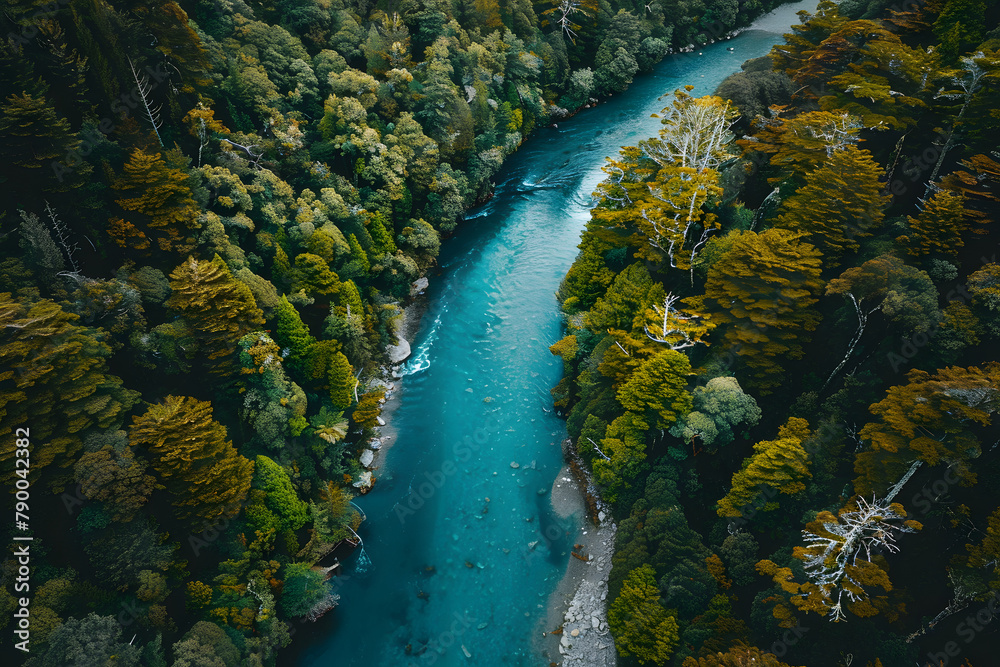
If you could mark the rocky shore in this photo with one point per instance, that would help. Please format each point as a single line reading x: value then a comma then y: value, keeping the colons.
x: 575, y: 632
x: 391, y: 375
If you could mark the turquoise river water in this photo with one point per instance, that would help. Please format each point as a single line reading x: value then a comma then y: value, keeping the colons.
x: 475, y: 398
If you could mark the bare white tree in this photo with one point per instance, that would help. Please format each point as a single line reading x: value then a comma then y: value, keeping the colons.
x: 143, y: 87
x: 62, y: 237
x: 669, y: 330
x: 969, y: 81
x: 870, y: 528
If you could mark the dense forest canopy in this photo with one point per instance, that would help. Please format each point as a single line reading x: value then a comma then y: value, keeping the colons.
x: 779, y: 360
x: 210, y: 215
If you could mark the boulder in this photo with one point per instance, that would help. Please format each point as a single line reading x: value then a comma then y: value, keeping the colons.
x: 367, y: 457
x: 419, y: 285
x: 398, y: 352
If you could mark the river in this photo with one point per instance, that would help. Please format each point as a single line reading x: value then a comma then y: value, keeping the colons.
x: 447, y: 567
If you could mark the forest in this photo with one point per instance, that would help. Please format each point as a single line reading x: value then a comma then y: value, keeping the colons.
x: 779, y: 361
x: 211, y: 213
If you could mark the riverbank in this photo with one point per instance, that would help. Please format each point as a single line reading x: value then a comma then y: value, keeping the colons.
x: 391, y: 376
x: 575, y: 628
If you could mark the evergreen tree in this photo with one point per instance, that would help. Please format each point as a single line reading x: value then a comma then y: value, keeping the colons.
x: 939, y: 228
x: 292, y: 333
x: 641, y: 626
x: 340, y: 376
x: 155, y: 197
x: 189, y: 451
x: 54, y: 380
x: 841, y: 202
x: 219, y: 308
x: 763, y: 288
x: 781, y: 464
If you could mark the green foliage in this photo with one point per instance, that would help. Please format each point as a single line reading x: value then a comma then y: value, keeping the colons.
x: 304, y: 589
x: 95, y: 640
x: 291, y: 333
x: 279, y: 494
x: 657, y: 389
x: 642, y: 628
x: 189, y: 451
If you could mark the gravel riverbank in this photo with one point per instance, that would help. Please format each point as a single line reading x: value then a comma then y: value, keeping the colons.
x: 576, y: 627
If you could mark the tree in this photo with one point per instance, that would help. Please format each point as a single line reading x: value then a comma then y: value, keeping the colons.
x: 841, y: 202
x: 763, y: 288
x: 279, y: 494
x: 833, y: 546
x: 54, y: 379
x: 92, y: 640
x: 657, y: 389
x: 39, y: 247
x: 740, y: 655
x: 802, y: 143
x: 191, y: 454
x: 662, y: 190
x: 928, y: 419
x: 341, y: 380
x: 781, y: 465
x: 939, y: 228
x: 368, y: 409
x: 305, y: 592
x: 157, y: 195
x: 219, y: 308
x: 292, y: 333
x: 203, y: 645
x: 35, y: 139
x: 358, y: 254
x: 121, y: 553
x: 272, y: 403
x: 117, y: 478
x: 313, y: 274
x: 622, y: 454
x: 905, y: 295
x: 718, y: 406
x: 641, y: 626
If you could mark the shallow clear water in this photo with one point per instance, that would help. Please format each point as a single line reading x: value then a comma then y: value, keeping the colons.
x: 476, y: 399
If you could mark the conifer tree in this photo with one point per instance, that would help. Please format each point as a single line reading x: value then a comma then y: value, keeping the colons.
x: 927, y: 419
x: 379, y: 230
x: 191, y: 454
x: 292, y: 333
x: 763, y: 288
x: 656, y: 391
x: 358, y: 253
x: 641, y: 626
x: 341, y: 378
x: 219, y: 308
x: 781, y: 464
x: 156, y: 198
x: 939, y: 227
x: 54, y: 380
x: 841, y: 202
